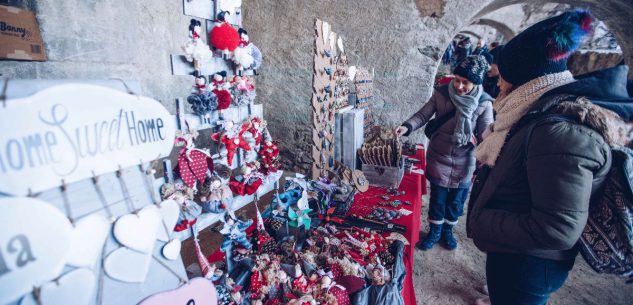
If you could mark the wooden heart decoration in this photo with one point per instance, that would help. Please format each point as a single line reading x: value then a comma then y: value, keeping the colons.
x: 87, y: 239
x: 171, y: 250
x: 127, y: 265
x: 169, y: 210
x: 199, y: 291
x: 34, y: 243
x: 76, y: 287
x: 138, y: 231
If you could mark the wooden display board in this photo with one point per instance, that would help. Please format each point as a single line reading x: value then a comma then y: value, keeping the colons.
x: 323, y: 84
x: 364, y: 83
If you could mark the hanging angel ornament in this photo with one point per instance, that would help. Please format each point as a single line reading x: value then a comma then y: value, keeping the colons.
x: 193, y: 163
x: 196, y: 50
x: 224, y: 36
x: 202, y: 100
x: 183, y: 195
x: 243, y: 90
x: 248, y: 181
x: 231, y: 137
x: 216, y: 196
x: 246, y: 56
x: 220, y: 89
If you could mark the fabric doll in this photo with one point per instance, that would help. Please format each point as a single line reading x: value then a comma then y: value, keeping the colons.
x: 217, y: 197
x: 223, y: 36
x: 234, y: 232
x: 183, y: 195
x: 248, y: 181
x: 242, y: 90
x: 202, y: 100
x: 242, y: 55
x: 300, y: 282
x: 220, y: 90
x: 196, y: 50
x: 247, y: 56
x: 269, y: 154
x: 232, y: 139
x: 193, y: 163
x: 329, y: 287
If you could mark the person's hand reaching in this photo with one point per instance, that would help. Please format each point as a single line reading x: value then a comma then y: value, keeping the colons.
x: 401, y: 130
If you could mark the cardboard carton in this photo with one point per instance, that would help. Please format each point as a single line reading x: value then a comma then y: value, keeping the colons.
x: 20, y: 37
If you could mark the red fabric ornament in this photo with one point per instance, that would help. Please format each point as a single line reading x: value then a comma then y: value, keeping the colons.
x: 193, y: 165
x: 224, y: 98
x: 184, y: 225
x: 231, y: 146
x: 224, y: 37
x: 202, y: 260
x: 342, y: 297
x: 245, y: 187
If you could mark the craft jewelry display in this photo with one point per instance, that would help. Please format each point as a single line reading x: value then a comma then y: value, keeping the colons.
x: 323, y: 106
x: 364, y: 85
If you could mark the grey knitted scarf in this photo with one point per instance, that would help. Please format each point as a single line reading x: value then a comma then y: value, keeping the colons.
x: 466, y: 106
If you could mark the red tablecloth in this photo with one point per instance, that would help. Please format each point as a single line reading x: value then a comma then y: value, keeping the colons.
x: 414, y: 186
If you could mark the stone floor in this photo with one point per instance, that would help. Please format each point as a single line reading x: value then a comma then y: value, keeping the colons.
x: 454, y: 277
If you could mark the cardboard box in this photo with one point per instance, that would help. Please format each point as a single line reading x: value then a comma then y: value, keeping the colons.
x: 20, y: 37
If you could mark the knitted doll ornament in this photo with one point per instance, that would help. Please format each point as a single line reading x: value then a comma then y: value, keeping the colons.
x: 223, y: 36
x: 195, y: 49
x: 242, y: 54
x: 243, y: 90
x: 223, y: 95
x: 202, y: 100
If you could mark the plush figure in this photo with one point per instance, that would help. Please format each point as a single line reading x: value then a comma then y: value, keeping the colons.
x: 216, y: 196
x: 232, y: 139
x: 196, y: 50
x: 300, y: 282
x: 248, y: 181
x: 242, y: 56
x: 202, y: 100
x: 247, y: 56
x: 220, y: 89
x: 242, y: 90
x: 254, y: 132
x: 329, y: 289
x: 269, y: 154
x: 234, y: 232
x: 183, y: 195
x: 223, y: 36
x: 193, y: 163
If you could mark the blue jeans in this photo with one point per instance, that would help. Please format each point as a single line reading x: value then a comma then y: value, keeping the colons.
x: 520, y: 279
x: 446, y: 204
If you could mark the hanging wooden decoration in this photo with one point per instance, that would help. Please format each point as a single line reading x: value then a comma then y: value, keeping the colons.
x: 323, y: 87
x: 77, y: 285
x: 33, y: 248
x: 87, y: 239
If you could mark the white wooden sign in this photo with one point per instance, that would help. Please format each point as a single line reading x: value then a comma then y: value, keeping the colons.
x: 72, y: 132
x: 35, y: 238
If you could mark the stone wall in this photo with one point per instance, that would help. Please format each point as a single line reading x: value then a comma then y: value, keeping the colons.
x: 104, y: 39
x: 401, y: 39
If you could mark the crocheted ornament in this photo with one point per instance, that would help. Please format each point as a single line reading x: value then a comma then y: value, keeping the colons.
x: 224, y: 36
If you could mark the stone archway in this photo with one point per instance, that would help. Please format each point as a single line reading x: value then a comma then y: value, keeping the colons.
x: 471, y: 33
x: 502, y: 28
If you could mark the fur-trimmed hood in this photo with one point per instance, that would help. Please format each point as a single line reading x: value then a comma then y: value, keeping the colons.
x: 613, y: 129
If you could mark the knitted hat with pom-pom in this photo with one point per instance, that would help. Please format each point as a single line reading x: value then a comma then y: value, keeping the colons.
x: 544, y: 47
x: 472, y: 68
